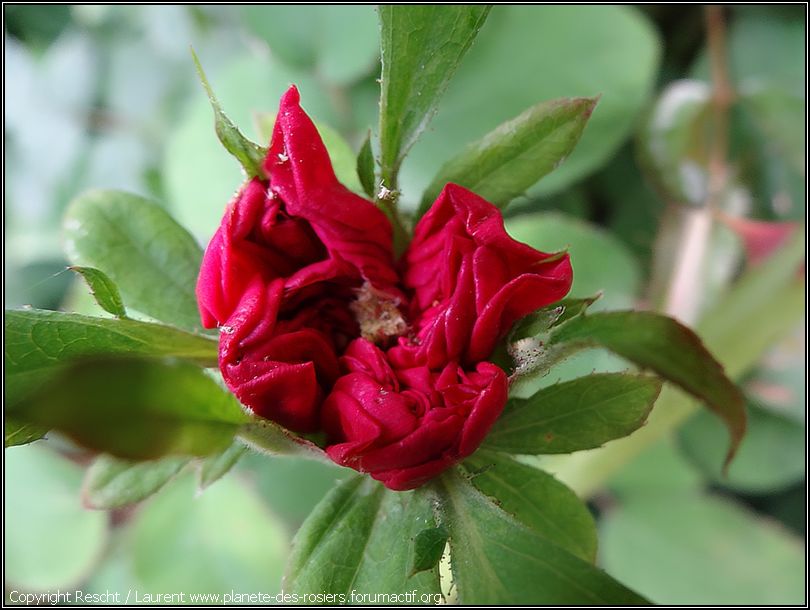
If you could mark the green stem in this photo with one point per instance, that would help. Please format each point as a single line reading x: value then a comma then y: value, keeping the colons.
x: 401, y: 235
x: 386, y: 199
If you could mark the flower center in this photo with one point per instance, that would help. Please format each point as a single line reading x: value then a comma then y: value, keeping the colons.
x: 377, y: 314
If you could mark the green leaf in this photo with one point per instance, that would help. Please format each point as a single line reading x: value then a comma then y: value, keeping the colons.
x: 602, y: 263
x: 21, y: 433
x: 338, y: 43
x: 268, y: 437
x: 421, y: 48
x: 103, y: 289
x: 38, y: 343
x: 136, y: 409
x: 536, y: 499
x: 771, y: 456
x: 50, y: 540
x: 673, y: 351
x: 152, y: 259
x: 428, y: 548
x: 545, y: 319
x: 113, y: 483
x: 223, y: 541
x: 359, y: 538
x: 515, y: 155
x: 522, y: 351
x: 526, y: 54
x: 365, y: 166
x: 722, y: 554
x: 250, y: 155
x: 580, y: 414
x: 497, y: 560
x: 214, y: 467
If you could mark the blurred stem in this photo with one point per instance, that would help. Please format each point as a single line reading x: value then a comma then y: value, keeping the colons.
x: 722, y: 98
x: 685, y: 232
x: 760, y: 308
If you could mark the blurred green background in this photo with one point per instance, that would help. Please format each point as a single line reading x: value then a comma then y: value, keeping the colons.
x: 106, y: 96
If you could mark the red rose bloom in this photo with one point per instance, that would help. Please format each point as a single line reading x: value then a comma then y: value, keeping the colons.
x: 280, y: 273
x: 405, y: 427
x: 470, y: 281
x: 426, y: 404
x: 301, y: 280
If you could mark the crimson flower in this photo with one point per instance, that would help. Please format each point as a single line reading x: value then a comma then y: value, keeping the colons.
x: 321, y: 331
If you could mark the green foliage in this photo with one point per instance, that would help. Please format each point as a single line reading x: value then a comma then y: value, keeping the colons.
x: 768, y: 118
x: 359, y: 538
x: 39, y: 25
x: 365, y: 166
x: 658, y: 472
x: 21, y: 433
x: 142, y: 249
x: 762, y: 301
x: 421, y: 48
x: 771, y: 454
x: 537, y: 500
x: 516, y: 154
x: 665, y: 346
x: 104, y: 290
x: 270, y: 438
x: 136, y: 409
x: 575, y: 415
x: 497, y: 560
x: 513, y: 533
x: 428, y: 547
x: 39, y: 343
x: 214, y: 467
x: 113, y: 483
x: 525, y: 55
x: 249, y: 155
